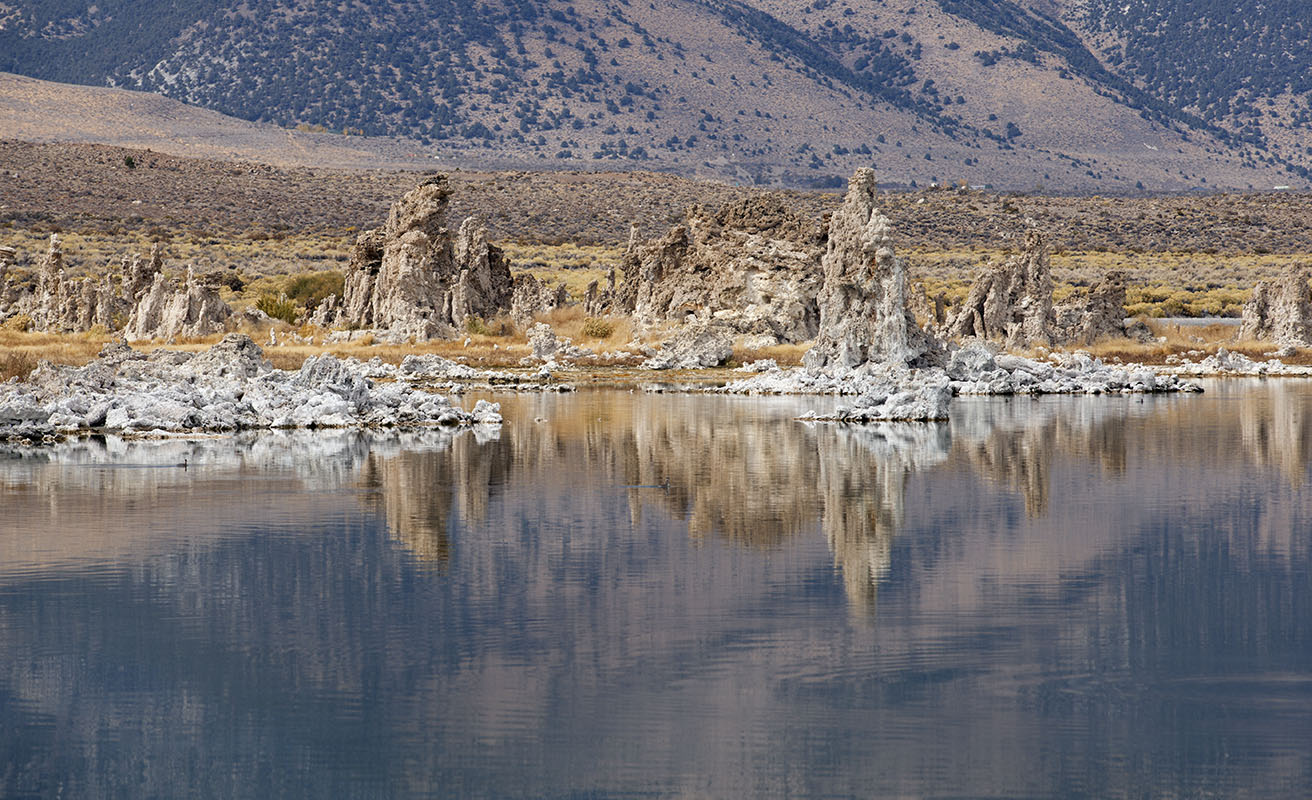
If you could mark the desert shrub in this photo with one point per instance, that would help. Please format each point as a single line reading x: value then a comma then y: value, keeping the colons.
x: 16, y: 365
x: 227, y: 278
x: 282, y: 307
x: 596, y: 328
x: 475, y: 326
x: 18, y: 322
x: 312, y: 288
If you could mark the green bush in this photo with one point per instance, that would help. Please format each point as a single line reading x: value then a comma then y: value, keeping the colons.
x: 312, y: 288
x: 283, y: 307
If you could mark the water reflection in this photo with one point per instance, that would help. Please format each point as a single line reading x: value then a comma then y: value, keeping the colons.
x: 623, y: 593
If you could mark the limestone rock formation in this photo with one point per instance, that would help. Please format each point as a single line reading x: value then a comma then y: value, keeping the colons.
x: 166, y: 312
x: 1280, y: 311
x: 863, y: 304
x: 326, y: 314
x: 1099, y: 314
x: 61, y: 303
x: 228, y: 387
x: 752, y: 267
x: 1011, y: 303
x: 696, y: 345
x: 7, y: 293
x: 532, y: 297
x: 483, y: 287
x: 543, y: 341
x: 138, y: 276
x: 412, y: 279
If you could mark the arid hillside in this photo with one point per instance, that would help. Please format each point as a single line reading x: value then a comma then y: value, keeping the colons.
x: 1060, y: 96
x: 75, y: 186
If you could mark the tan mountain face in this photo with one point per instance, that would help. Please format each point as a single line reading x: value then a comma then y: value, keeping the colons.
x: 1053, y: 94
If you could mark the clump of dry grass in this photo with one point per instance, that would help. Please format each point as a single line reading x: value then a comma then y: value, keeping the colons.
x: 785, y: 355
x: 16, y: 365
x: 22, y: 351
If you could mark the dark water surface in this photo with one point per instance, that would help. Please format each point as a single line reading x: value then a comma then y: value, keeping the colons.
x: 1055, y: 597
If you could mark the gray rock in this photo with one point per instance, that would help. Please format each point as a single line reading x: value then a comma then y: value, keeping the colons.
x: 1280, y: 311
x: 165, y: 313
x: 864, y: 313
x: 413, y: 279
x: 228, y: 387
x: 1011, y: 303
x: 752, y: 267
x: 693, y: 347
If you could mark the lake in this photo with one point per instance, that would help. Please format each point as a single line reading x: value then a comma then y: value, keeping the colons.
x: 622, y: 594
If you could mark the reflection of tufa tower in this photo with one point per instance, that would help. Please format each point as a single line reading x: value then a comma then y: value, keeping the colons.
x: 417, y: 491
x: 1274, y: 429
x: 863, y: 479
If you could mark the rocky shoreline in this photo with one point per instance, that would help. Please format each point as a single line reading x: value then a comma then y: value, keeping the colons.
x: 229, y: 387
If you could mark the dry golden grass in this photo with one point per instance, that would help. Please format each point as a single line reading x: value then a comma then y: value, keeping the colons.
x: 785, y: 355
x: 1191, y: 342
x: 21, y: 351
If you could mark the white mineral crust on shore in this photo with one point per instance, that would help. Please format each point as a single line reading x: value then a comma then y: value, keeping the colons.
x: 895, y: 392
x: 228, y: 387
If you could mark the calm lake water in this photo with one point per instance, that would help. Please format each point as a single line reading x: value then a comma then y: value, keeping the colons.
x: 1052, y: 597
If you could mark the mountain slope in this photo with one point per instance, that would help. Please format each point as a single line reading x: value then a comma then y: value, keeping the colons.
x: 1016, y: 94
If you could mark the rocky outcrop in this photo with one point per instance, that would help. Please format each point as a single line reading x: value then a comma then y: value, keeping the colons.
x: 1097, y: 315
x: 1011, y: 303
x: 750, y: 267
x: 228, y: 387
x: 483, y: 287
x: 326, y: 314
x: 532, y: 297
x: 139, y: 275
x: 1280, y: 311
x: 695, y: 346
x: 7, y: 293
x: 61, y: 303
x: 976, y: 368
x: 543, y: 342
x: 412, y: 279
x: 166, y: 312
x: 863, y: 304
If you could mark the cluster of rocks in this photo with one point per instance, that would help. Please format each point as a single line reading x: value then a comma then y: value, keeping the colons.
x: 532, y: 297
x: 694, y: 346
x: 416, y: 281
x: 59, y: 302
x: 1012, y: 304
x: 228, y: 387
x: 1280, y: 311
x: 1099, y: 314
x: 870, y: 346
x: 547, y: 347
x: 750, y: 267
x: 1227, y: 363
x: 891, y: 391
x: 141, y: 300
